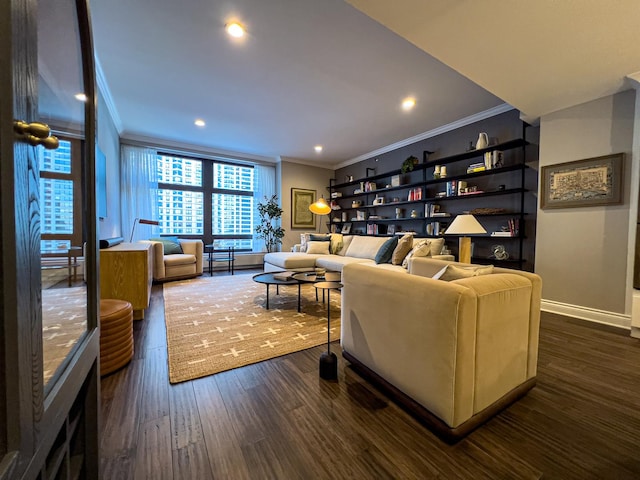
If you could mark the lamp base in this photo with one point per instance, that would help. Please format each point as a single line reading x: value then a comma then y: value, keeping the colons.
x: 464, y: 250
x: 328, y: 366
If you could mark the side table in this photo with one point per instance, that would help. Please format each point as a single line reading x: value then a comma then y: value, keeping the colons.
x: 328, y: 360
x: 220, y: 255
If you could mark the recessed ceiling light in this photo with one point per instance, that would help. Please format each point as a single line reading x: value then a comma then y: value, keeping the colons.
x: 318, y: 148
x: 408, y: 103
x: 235, y: 29
x: 81, y: 97
x: 199, y: 122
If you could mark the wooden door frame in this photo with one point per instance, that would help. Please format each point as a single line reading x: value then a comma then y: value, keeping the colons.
x: 31, y: 418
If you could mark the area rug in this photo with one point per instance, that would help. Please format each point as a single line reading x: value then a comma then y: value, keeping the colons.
x: 219, y: 323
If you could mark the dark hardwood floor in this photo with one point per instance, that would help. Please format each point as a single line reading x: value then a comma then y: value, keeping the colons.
x: 278, y: 420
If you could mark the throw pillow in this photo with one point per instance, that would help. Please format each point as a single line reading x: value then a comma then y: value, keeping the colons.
x: 453, y: 272
x: 304, y: 238
x: 346, y: 241
x: 171, y: 245
x: 365, y: 246
x: 437, y: 244
x: 386, y: 250
x: 320, y: 248
x: 336, y: 243
x: 421, y: 248
x: 401, y: 250
x: 317, y: 237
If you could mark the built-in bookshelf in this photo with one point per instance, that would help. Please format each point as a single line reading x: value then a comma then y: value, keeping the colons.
x: 488, y: 182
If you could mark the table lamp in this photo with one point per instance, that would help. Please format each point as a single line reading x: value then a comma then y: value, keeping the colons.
x: 464, y: 225
x: 320, y: 207
x: 144, y: 222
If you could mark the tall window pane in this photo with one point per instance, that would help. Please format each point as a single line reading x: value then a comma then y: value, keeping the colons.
x: 58, y: 160
x: 56, y: 197
x: 232, y: 177
x: 181, y: 212
x: 179, y: 171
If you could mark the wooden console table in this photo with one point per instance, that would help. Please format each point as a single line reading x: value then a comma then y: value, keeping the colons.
x: 126, y: 273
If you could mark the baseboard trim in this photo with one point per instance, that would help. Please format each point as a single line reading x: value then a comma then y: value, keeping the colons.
x: 613, y: 319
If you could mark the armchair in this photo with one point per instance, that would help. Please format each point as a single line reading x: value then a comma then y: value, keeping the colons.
x: 177, y: 265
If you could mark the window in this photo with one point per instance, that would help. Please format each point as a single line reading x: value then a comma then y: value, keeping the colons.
x: 207, y: 199
x: 60, y: 196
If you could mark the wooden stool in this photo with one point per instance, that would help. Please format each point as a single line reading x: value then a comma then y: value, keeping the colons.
x: 116, y: 335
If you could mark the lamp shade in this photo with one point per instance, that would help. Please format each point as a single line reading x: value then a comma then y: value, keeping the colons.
x: 320, y: 207
x: 465, y: 225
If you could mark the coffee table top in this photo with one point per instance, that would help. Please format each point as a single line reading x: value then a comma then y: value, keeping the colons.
x: 312, y: 277
x: 268, y: 279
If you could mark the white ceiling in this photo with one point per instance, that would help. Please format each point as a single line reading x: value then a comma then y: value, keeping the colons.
x: 321, y: 72
x: 539, y: 56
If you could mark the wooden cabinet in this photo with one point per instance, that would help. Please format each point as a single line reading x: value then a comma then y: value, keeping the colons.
x: 424, y: 201
x: 126, y: 273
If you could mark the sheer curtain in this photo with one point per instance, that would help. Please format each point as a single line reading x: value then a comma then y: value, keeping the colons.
x: 139, y: 186
x: 265, y: 186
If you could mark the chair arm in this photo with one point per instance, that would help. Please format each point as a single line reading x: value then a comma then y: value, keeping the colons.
x: 159, y: 272
x: 196, y: 248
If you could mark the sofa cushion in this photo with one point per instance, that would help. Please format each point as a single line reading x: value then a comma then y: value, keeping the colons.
x: 365, y: 246
x: 319, y: 248
x: 386, y: 250
x: 336, y: 263
x: 346, y: 241
x: 401, y: 250
x: 336, y: 243
x: 320, y: 237
x: 421, y: 248
x: 436, y: 246
x: 291, y: 261
x: 174, y: 260
x: 453, y: 272
x: 171, y: 245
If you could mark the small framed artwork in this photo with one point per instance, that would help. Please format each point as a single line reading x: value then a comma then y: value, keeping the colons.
x: 346, y: 228
x: 583, y: 183
x: 301, y: 216
x: 391, y: 229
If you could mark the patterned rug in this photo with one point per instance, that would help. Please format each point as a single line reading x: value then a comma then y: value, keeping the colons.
x: 219, y: 323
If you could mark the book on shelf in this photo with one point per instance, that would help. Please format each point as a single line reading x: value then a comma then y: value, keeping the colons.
x: 284, y: 276
x: 502, y: 234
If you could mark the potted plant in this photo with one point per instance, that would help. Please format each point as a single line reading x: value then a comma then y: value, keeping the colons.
x: 408, y: 164
x: 269, y: 229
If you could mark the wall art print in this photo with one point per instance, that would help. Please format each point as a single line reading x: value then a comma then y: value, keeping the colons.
x: 582, y: 183
x: 301, y: 216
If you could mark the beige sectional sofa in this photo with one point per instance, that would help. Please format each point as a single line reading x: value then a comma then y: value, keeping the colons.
x: 454, y: 353
x: 352, y: 249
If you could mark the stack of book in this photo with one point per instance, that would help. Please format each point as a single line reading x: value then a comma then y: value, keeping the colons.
x: 284, y: 276
x: 511, y: 230
x: 476, y: 167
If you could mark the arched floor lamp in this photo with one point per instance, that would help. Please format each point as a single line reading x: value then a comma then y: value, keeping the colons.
x: 320, y: 207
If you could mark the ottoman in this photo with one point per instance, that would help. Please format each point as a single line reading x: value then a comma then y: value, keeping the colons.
x: 116, y: 335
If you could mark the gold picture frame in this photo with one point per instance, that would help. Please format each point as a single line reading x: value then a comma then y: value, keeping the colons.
x: 301, y: 216
x: 582, y: 183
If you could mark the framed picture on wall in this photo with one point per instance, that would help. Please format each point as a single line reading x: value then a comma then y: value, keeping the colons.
x: 301, y: 216
x: 583, y: 183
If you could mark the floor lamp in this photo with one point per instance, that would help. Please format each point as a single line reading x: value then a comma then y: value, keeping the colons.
x: 320, y: 207
x: 142, y: 221
x: 464, y: 225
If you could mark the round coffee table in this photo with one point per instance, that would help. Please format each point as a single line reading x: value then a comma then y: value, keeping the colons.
x: 268, y: 279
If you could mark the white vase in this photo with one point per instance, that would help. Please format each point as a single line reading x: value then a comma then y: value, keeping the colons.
x: 483, y: 141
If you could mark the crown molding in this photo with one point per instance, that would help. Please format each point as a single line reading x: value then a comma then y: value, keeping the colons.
x: 103, y: 87
x: 476, y: 117
x: 171, y: 146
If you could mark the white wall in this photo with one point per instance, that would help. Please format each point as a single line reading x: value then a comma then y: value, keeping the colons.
x: 295, y: 175
x: 581, y: 253
x: 109, y: 142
